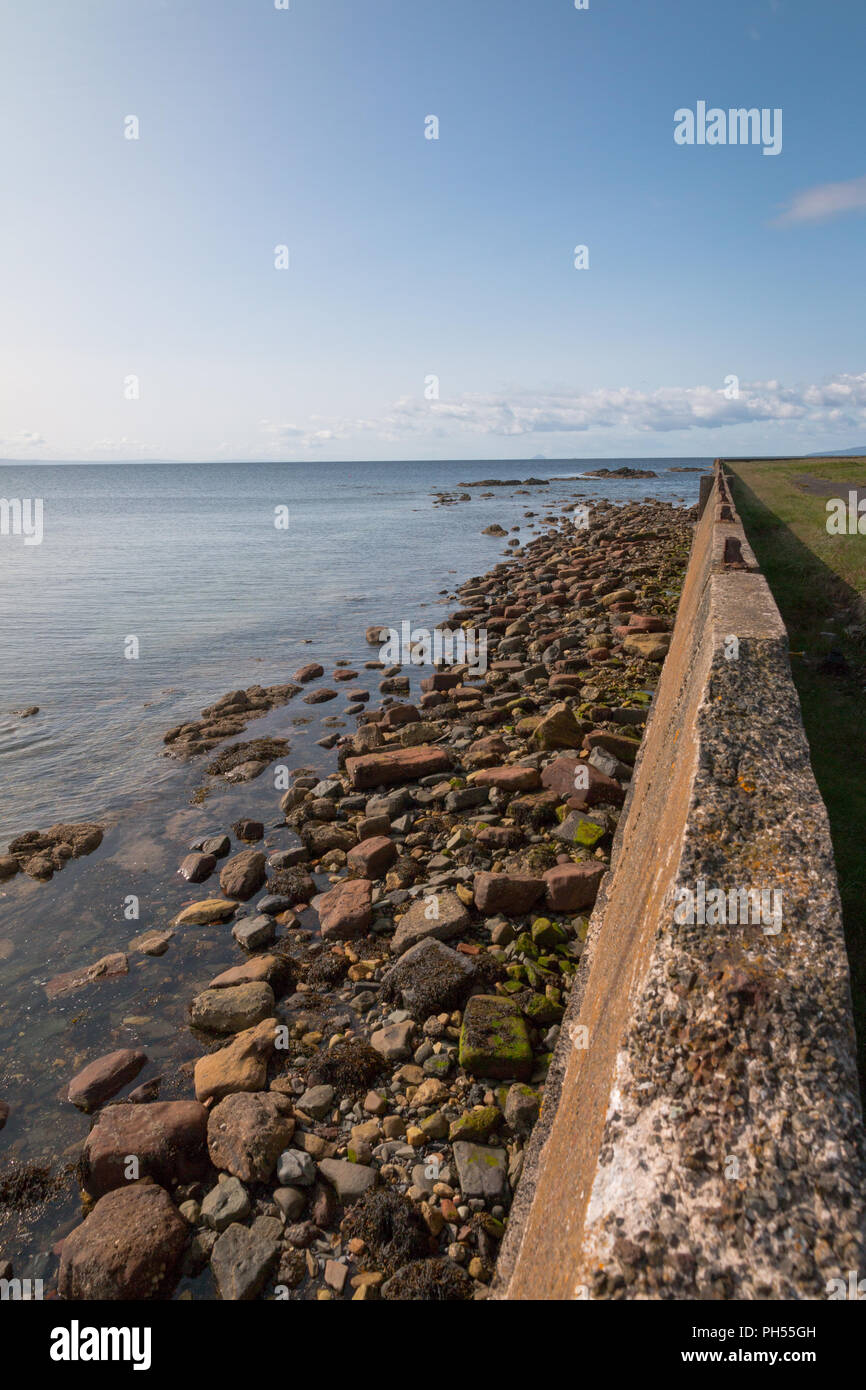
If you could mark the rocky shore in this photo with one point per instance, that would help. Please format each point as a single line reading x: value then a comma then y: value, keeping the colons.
x: 374, y: 1052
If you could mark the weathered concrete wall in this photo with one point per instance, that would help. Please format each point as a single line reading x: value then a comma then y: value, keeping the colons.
x: 701, y: 1134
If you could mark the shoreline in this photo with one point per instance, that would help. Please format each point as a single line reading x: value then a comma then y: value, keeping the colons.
x: 458, y: 820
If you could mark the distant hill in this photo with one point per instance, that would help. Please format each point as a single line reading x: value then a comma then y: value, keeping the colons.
x: 837, y: 453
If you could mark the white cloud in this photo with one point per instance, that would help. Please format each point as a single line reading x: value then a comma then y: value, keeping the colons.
x: 840, y: 402
x: 825, y: 201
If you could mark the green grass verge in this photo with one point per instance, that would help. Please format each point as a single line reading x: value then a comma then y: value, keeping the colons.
x: 819, y: 582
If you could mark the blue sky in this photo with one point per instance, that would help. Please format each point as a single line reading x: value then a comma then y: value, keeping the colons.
x: 412, y: 258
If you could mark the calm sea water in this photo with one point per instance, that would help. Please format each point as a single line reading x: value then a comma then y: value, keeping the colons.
x: 188, y: 560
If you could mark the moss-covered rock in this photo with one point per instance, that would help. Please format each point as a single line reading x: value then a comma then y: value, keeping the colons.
x: 494, y: 1040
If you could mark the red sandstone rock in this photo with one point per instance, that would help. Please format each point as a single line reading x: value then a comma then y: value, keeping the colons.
x: 572, y: 887
x: 104, y: 1077
x: 559, y: 776
x: 372, y: 857
x: 346, y: 910
x: 510, y: 778
x: 396, y: 765
x: 166, y: 1138
x: 512, y: 894
x: 310, y: 672
x: 128, y: 1248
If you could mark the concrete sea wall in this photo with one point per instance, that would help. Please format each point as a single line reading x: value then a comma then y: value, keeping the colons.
x: 702, y: 1134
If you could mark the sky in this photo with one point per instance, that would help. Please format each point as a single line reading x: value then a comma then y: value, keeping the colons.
x: 431, y: 306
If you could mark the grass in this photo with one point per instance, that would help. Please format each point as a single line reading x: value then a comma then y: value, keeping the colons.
x: 819, y: 583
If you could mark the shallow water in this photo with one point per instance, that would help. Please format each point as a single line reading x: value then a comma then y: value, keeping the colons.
x: 188, y: 560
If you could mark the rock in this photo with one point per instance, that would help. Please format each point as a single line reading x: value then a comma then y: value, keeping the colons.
x: 393, y: 1041
x: 522, y: 1108
x: 217, y: 845
x: 254, y: 932
x: 250, y: 830
x: 571, y: 887
x: 247, y: 1132
x: 320, y: 697
x: 8, y: 867
x: 129, y: 1247
x: 103, y: 1078
x: 429, y: 978
x: 40, y: 853
x: 565, y: 777
x: 151, y: 943
x: 291, y: 1202
x: 310, y: 672
x: 578, y: 829
x: 270, y: 969
x: 296, y: 1169
x: 494, y: 1041
x: 652, y: 646
x: 481, y: 1171
x: 242, y: 1260
x: 475, y: 1126
x: 317, y: 1101
x: 436, y: 914
x: 204, y: 913
x: 509, y: 778
x: 513, y: 894
x: 225, y: 1203
x: 397, y: 765
x: 372, y: 857
x: 195, y: 868
x: 559, y: 729
x: 231, y: 1009
x: 243, y: 874
x: 167, y: 1138
x: 346, y: 911
x: 351, y: 1180
x: 241, y: 1066
x: 103, y: 969
x: 4, y: 1113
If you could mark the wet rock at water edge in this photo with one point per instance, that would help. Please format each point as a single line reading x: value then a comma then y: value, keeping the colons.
x: 129, y: 1247
x: 166, y: 1138
x: 104, y: 1077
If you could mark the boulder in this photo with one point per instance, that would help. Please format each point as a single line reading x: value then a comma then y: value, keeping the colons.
x: 167, y: 1138
x: 438, y: 914
x: 397, y: 765
x: 243, y: 874
x: 129, y: 1247
x: 241, y: 1066
x: 247, y: 1132
x: 233, y: 1008
x: 429, y: 978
